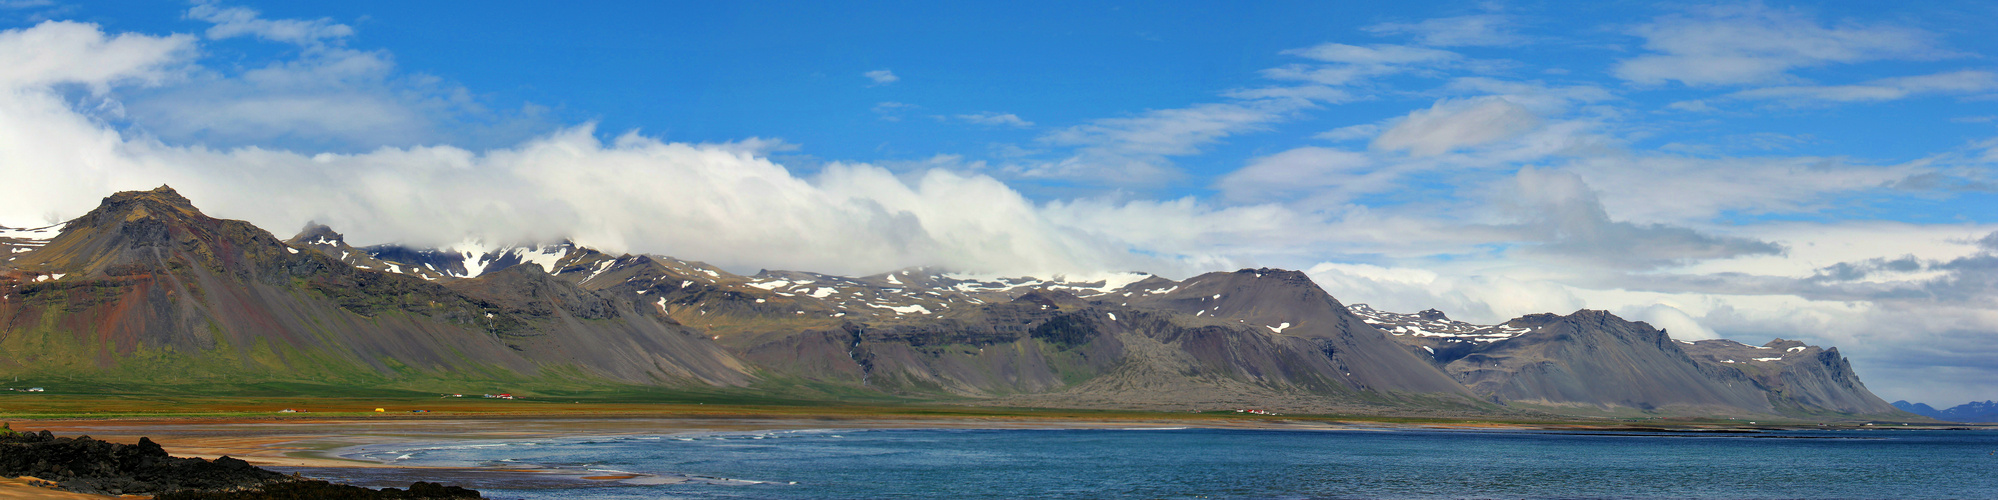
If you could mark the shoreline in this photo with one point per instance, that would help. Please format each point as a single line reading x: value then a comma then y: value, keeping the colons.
x: 315, y: 443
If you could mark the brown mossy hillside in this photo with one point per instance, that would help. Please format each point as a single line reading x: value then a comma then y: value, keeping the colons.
x: 146, y: 281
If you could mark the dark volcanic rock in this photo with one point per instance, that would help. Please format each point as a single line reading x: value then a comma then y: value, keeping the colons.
x: 86, y: 465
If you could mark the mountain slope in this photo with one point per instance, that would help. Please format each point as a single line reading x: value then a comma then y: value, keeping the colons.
x: 148, y: 289
x: 151, y: 289
x: 1798, y: 377
x: 1594, y: 358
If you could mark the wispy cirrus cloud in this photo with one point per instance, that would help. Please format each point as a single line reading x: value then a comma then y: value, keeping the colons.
x: 1479, y: 30
x: 992, y: 118
x: 1454, y: 124
x: 881, y: 77
x: 230, y: 22
x: 1756, y: 44
x: 1343, y: 64
x: 1136, y: 150
x: 1884, y: 89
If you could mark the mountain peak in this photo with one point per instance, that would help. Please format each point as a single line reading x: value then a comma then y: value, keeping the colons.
x: 127, y: 206
x: 164, y: 194
x: 136, y: 232
x: 319, y: 234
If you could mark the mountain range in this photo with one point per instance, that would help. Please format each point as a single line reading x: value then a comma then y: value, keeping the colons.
x: 146, y: 289
x: 1974, y: 411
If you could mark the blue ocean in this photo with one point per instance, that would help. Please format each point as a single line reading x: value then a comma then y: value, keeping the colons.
x: 1195, y: 463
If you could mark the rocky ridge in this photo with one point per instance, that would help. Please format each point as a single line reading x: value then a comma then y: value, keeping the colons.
x: 154, y: 275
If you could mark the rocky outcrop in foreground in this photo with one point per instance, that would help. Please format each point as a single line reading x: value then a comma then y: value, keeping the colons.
x: 86, y: 465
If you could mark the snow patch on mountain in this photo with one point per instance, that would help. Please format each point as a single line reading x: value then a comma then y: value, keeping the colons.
x: 1433, y: 323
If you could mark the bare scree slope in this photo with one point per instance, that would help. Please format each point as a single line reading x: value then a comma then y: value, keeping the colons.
x: 147, y: 290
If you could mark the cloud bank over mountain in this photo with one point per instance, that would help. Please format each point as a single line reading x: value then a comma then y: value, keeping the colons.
x: 1479, y: 184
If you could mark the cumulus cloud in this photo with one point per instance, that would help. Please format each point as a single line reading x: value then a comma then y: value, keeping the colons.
x: 326, y: 98
x: 881, y: 77
x: 1568, y: 221
x: 1675, y: 322
x: 1747, y: 44
x: 721, y: 202
x: 75, y: 53
x: 1456, y: 222
x: 1681, y: 189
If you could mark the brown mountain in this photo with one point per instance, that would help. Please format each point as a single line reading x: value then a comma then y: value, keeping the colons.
x: 1595, y: 362
x: 148, y: 289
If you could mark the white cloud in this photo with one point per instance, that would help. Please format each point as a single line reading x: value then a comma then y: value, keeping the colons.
x: 633, y: 193
x: 1455, y: 124
x: 55, y: 52
x: 1353, y: 64
x: 1676, y: 323
x: 1319, y: 93
x: 995, y: 119
x: 1195, y: 236
x: 1885, y: 89
x: 1490, y: 30
x: 1134, y: 150
x: 1680, y: 190
x: 323, y: 97
x: 1692, y: 106
x: 891, y: 110
x: 1475, y: 297
x: 881, y: 77
x: 1629, y: 232
x: 1350, y: 132
x: 1300, y: 171
x: 232, y: 22
x: 1747, y: 44
x: 1539, y: 97
x: 1379, y: 54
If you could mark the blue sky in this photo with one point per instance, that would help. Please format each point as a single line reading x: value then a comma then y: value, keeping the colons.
x: 794, y: 71
x: 1819, y: 171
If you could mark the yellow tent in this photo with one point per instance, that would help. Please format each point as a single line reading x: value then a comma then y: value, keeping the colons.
x: 379, y: 409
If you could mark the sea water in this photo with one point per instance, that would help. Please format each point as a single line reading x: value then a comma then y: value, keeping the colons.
x: 1234, y: 463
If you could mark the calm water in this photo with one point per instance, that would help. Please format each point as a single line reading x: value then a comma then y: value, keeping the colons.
x: 1210, y: 463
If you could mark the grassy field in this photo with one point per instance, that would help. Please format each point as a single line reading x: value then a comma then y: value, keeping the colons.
x: 358, y: 404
